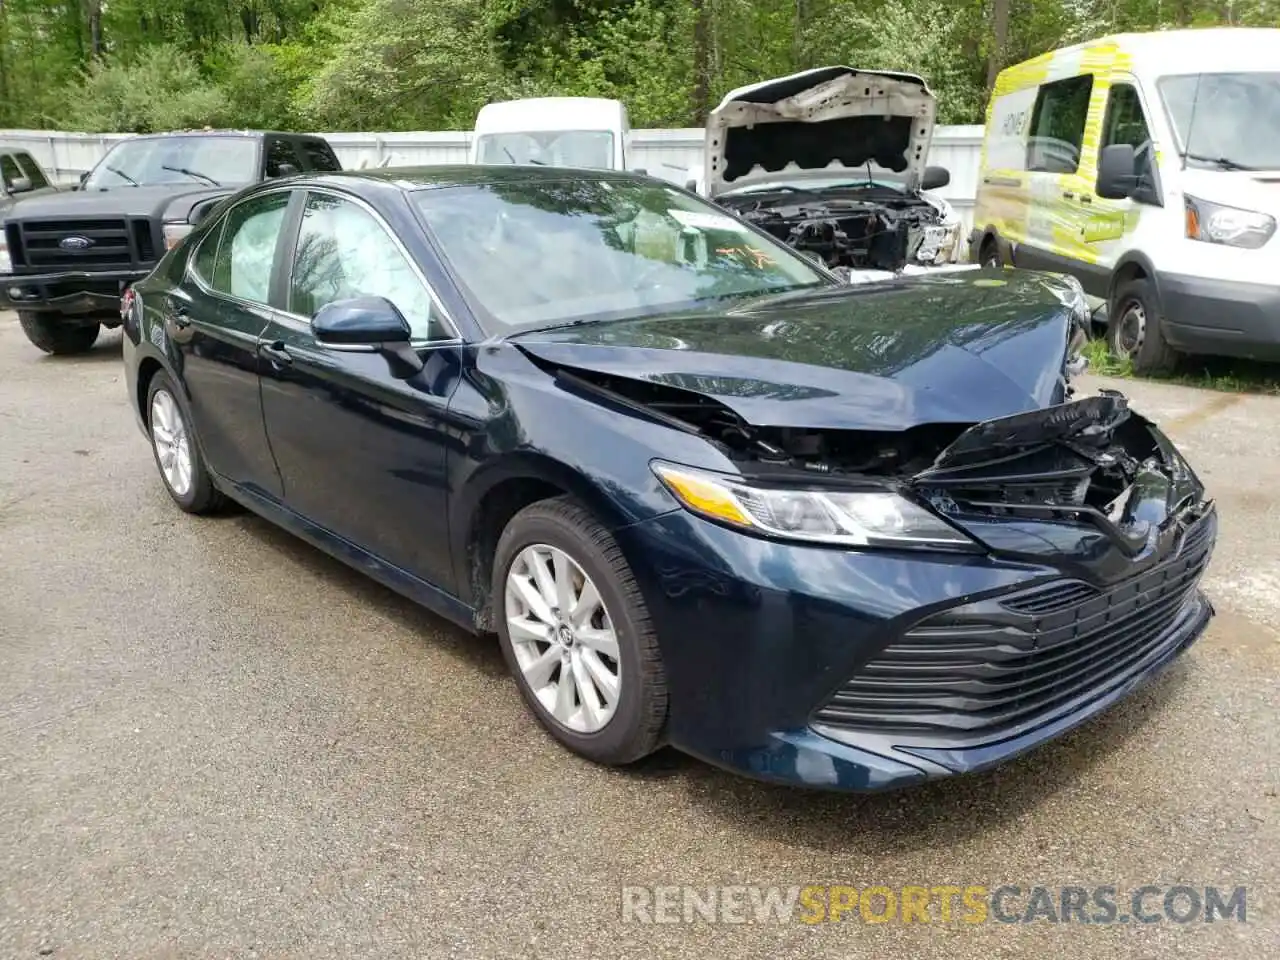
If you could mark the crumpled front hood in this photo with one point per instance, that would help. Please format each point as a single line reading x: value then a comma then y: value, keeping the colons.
x: 815, y: 118
x: 955, y: 348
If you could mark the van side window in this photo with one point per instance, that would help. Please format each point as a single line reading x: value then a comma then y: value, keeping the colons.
x: 1057, y: 125
x: 1125, y: 121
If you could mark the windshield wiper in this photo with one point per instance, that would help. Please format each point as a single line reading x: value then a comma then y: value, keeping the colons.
x: 121, y: 174
x: 192, y: 173
x: 1223, y: 163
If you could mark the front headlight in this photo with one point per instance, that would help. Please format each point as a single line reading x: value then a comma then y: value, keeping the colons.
x: 174, y: 231
x: 6, y: 264
x: 855, y: 518
x: 1231, y: 226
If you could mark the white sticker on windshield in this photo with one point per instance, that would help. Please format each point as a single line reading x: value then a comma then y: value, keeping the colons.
x: 702, y: 220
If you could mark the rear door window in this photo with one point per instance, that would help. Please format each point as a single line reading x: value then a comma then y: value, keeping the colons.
x: 319, y: 156
x: 1057, y: 125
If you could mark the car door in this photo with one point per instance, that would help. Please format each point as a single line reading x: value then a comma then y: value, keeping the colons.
x: 1054, y: 153
x: 1109, y: 224
x: 361, y: 453
x: 215, y: 320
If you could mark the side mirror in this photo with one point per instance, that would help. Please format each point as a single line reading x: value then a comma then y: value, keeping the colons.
x: 935, y: 177
x: 19, y: 185
x: 641, y: 170
x: 368, y: 325
x: 286, y: 170
x: 1117, y: 172
x: 691, y: 186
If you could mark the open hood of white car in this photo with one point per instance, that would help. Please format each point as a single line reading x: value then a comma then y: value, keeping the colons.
x: 825, y: 118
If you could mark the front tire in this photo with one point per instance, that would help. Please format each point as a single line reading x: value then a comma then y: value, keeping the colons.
x: 1135, y: 328
x: 576, y: 633
x: 55, y: 335
x: 177, y: 454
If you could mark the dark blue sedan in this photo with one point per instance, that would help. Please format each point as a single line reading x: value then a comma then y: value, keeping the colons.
x: 705, y: 494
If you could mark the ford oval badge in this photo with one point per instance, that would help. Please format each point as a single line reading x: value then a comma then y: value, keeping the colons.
x: 75, y: 243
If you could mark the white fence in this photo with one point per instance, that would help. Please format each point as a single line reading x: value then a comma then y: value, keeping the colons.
x: 663, y: 153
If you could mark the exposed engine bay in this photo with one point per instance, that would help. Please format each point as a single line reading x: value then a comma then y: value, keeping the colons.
x: 1085, y: 459
x: 853, y: 228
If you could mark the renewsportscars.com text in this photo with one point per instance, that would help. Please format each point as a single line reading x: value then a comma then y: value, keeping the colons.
x: 944, y: 903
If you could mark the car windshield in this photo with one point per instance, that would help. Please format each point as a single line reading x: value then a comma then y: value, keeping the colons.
x: 213, y: 161
x: 590, y: 149
x: 544, y: 253
x: 1230, y: 121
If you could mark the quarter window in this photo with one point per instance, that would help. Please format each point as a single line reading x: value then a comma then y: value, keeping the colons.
x: 1125, y: 121
x: 1057, y: 125
x: 203, y: 262
x: 242, y: 267
x: 319, y: 156
x: 344, y: 253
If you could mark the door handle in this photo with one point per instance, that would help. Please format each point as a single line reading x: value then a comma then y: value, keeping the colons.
x: 1068, y: 195
x: 1085, y: 198
x: 277, y: 353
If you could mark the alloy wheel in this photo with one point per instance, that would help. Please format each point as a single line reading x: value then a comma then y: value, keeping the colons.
x: 563, y: 638
x: 173, y: 446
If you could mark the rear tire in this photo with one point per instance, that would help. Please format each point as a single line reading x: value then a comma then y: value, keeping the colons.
x: 56, y: 335
x: 176, y: 450
x: 1135, y: 328
x: 602, y: 646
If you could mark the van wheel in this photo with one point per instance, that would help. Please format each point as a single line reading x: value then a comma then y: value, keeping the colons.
x: 1135, y: 328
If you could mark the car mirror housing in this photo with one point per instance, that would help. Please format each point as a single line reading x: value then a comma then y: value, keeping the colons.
x: 1117, y: 172
x: 368, y: 325
x: 935, y: 177
x: 19, y: 185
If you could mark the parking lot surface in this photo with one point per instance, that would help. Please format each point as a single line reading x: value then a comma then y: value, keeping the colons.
x: 215, y: 741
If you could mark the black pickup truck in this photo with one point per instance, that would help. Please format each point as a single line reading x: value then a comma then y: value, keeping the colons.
x: 67, y: 256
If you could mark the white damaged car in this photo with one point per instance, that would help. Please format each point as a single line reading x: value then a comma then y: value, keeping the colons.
x: 833, y: 162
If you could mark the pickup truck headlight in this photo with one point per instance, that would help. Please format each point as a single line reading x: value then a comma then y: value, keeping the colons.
x: 854, y: 518
x: 1231, y: 226
x: 6, y: 264
x: 173, y: 232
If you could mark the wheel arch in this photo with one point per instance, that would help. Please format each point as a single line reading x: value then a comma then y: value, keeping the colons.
x: 491, y: 497
x: 1132, y: 266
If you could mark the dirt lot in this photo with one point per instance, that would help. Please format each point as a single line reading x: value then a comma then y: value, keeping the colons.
x: 215, y: 741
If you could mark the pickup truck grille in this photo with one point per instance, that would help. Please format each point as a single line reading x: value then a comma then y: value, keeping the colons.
x: 987, y: 669
x: 88, y: 244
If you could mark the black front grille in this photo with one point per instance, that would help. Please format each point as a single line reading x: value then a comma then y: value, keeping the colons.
x: 89, y: 244
x: 990, y: 667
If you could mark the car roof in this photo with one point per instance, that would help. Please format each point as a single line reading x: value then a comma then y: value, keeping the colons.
x: 458, y: 175
x: 173, y: 134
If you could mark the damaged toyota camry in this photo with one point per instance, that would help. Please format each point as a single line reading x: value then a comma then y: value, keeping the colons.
x: 707, y: 495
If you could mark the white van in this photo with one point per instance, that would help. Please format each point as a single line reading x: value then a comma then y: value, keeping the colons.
x: 589, y: 132
x: 1147, y: 166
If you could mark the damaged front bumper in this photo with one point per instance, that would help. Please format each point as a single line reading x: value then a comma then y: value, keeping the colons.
x: 872, y: 669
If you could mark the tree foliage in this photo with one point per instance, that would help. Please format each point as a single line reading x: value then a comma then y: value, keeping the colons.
x: 145, y: 65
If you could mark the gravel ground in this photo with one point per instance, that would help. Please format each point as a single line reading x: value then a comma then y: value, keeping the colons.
x: 215, y: 741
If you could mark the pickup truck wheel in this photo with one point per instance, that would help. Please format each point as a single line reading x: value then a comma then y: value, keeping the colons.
x: 1135, y: 328
x: 54, y: 334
